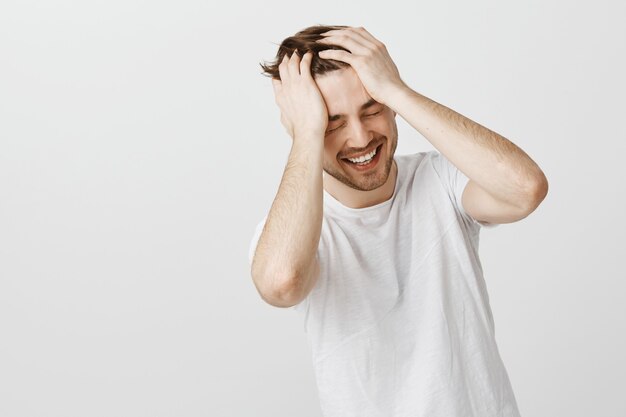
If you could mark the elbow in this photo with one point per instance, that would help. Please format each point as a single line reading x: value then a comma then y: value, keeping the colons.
x: 280, y: 299
x: 536, y: 193
x: 274, y: 291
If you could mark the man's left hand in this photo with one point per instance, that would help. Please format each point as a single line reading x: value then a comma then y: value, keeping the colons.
x: 369, y: 59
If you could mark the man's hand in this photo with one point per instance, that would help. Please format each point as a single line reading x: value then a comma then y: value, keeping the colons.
x: 369, y: 59
x: 303, y: 110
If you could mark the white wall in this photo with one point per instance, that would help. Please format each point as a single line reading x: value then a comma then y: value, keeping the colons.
x: 140, y: 146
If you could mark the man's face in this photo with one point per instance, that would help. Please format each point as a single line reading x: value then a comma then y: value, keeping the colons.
x: 357, y: 131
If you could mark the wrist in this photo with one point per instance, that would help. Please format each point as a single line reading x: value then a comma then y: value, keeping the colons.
x: 396, y: 94
x: 309, y: 142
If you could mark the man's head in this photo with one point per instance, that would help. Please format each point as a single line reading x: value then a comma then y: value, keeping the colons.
x: 357, y: 124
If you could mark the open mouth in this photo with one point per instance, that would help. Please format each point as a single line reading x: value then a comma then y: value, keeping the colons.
x: 363, y: 164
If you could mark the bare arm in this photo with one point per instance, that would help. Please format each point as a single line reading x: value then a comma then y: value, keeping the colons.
x: 284, y: 264
x: 284, y: 267
x: 505, y: 183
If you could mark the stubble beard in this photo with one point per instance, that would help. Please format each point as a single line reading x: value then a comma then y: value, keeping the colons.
x: 367, y: 181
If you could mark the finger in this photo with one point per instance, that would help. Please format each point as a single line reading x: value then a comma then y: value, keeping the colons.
x: 337, y: 55
x: 365, y: 34
x: 294, y: 64
x: 282, y: 69
x: 276, y: 85
x: 305, y: 64
x: 359, y: 35
x: 350, y: 40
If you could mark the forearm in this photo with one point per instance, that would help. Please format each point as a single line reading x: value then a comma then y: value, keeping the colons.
x: 496, y: 164
x: 290, y: 238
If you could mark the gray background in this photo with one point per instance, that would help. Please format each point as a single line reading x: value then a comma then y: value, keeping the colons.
x: 140, y: 146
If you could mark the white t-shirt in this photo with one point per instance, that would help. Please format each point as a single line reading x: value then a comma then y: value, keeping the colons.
x: 399, y: 321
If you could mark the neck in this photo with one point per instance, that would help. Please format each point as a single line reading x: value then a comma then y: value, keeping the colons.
x: 356, y: 199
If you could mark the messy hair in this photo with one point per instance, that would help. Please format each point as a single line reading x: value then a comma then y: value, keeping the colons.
x: 304, y: 41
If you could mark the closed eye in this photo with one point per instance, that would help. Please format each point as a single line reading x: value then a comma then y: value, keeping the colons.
x: 367, y: 115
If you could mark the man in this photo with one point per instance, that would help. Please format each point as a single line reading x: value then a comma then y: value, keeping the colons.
x: 380, y: 252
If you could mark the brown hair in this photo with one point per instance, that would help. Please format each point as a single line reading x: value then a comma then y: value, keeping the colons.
x: 304, y: 41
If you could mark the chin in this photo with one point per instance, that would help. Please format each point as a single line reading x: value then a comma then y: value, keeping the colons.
x: 358, y: 182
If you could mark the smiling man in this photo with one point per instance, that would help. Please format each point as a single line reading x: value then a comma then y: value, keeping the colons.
x: 379, y: 252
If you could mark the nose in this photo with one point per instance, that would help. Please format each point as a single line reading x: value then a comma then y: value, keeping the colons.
x: 360, y: 135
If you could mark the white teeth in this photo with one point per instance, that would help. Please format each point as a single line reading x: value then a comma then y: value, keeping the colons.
x: 364, y: 157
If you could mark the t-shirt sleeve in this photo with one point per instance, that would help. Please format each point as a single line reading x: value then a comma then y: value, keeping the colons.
x: 455, y: 181
x: 255, y: 239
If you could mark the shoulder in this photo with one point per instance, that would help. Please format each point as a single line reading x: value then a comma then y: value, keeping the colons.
x: 411, y: 162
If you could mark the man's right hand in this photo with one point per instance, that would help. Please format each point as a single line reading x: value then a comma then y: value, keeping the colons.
x: 303, y: 110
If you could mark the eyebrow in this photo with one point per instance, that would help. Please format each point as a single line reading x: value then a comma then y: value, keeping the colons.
x: 370, y: 103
